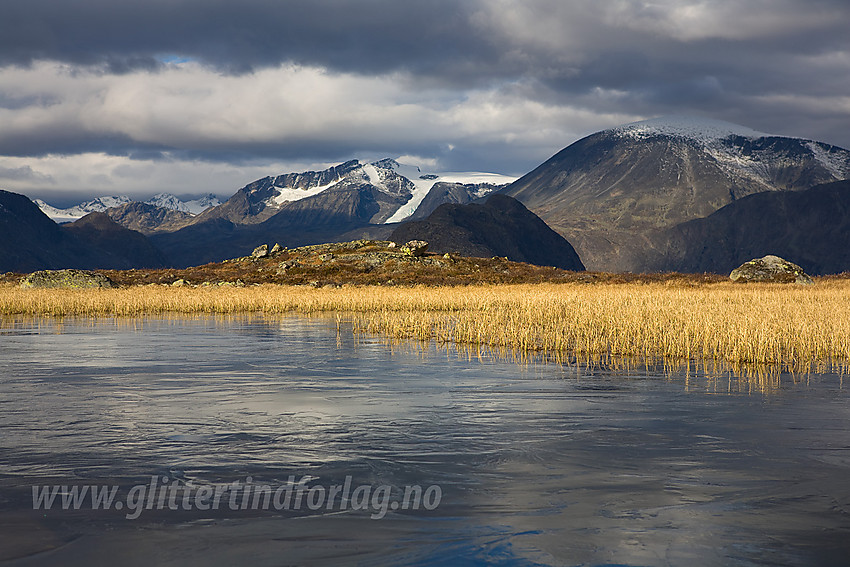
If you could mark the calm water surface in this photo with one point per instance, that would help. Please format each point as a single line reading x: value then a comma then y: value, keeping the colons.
x: 536, y: 464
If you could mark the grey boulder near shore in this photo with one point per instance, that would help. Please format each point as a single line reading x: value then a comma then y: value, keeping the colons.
x: 770, y: 269
x: 66, y: 279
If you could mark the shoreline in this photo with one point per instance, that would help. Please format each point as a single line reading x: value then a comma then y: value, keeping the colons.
x: 790, y: 326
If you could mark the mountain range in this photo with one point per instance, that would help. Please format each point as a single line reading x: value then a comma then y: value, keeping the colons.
x: 166, y: 201
x: 346, y: 201
x: 610, y: 193
x: 674, y: 193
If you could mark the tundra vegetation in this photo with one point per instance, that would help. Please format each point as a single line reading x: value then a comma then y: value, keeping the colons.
x: 672, y: 321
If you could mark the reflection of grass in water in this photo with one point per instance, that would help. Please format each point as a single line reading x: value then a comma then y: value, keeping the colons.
x: 783, y: 327
x: 709, y: 376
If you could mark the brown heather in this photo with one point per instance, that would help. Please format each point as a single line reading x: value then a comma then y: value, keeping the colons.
x: 793, y: 326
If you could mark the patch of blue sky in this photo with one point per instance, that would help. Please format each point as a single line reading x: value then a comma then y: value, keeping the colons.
x: 174, y: 59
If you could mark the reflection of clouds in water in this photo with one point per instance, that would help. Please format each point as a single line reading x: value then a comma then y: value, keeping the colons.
x: 546, y: 462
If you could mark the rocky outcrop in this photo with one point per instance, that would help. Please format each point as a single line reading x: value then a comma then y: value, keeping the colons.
x: 770, y: 269
x: 260, y: 251
x: 74, y: 279
x: 501, y: 226
x: 415, y: 248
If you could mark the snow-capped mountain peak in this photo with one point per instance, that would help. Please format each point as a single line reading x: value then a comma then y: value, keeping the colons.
x: 100, y: 204
x: 694, y: 128
x: 193, y: 206
x: 744, y: 154
x: 391, y: 176
x: 71, y: 214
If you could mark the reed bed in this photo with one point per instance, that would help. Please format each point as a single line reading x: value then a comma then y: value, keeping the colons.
x: 792, y: 326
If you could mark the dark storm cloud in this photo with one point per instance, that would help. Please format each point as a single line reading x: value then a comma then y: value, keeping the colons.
x: 74, y: 140
x: 592, y: 44
x: 475, y: 84
x: 365, y: 36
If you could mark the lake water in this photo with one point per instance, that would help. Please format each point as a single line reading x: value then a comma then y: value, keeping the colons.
x: 495, y: 462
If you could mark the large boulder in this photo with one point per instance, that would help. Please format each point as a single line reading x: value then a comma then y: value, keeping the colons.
x: 260, y: 251
x: 414, y: 248
x: 75, y: 279
x: 770, y: 269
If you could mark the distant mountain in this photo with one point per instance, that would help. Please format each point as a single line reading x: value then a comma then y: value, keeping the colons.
x: 148, y: 219
x: 454, y: 193
x: 294, y: 209
x: 810, y: 228
x: 192, y: 207
x: 29, y: 241
x: 611, y: 192
x: 71, y: 214
x: 114, y: 246
x: 501, y: 226
x: 101, y: 204
x: 323, y: 217
x: 398, y: 188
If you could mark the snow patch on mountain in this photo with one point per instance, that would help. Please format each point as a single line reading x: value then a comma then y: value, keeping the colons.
x: 373, y: 177
x: 395, y: 178
x: 193, y: 207
x: 699, y: 129
x: 289, y: 194
x: 835, y: 160
x: 424, y: 181
x: 719, y: 140
x: 100, y: 204
x: 58, y: 215
x: 71, y: 214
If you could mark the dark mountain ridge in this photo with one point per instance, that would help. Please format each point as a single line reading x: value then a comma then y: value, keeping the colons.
x: 609, y: 192
x: 30, y: 241
x: 810, y: 228
x: 116, y: 247
x: 501, y: 226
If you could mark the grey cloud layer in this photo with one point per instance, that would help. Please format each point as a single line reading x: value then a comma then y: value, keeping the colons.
x: 474, y: 83
x: 372, y: 36
x: 449, y: 39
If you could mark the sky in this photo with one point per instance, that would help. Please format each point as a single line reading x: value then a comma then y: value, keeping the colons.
x: 136, y: 97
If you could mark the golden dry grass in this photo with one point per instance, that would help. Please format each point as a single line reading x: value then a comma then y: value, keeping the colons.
x: 792, y: 326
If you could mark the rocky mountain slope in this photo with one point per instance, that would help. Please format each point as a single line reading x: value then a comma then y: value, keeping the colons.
x: 610, y: 192
x: 810, y: 228
x: 501, y: 226
x: 148, y: 219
